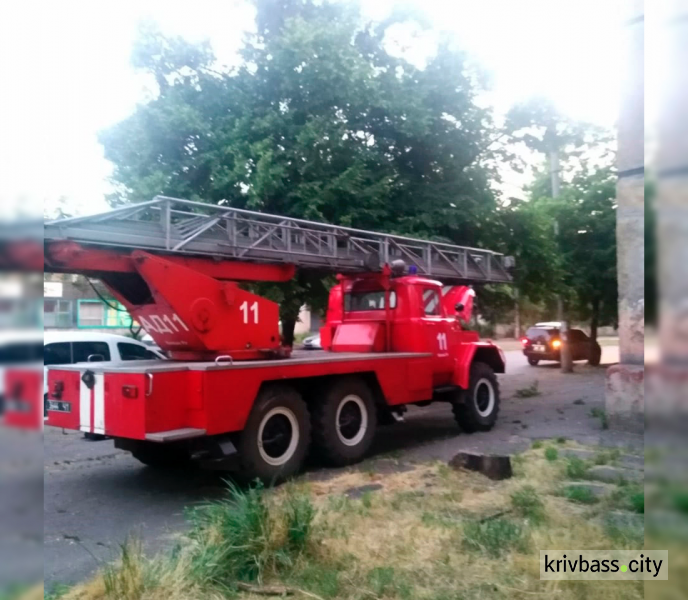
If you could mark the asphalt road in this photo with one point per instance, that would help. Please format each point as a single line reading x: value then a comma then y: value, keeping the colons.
x: 96, y: 496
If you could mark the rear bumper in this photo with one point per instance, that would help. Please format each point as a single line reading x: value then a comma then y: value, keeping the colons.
x: 542, y: 355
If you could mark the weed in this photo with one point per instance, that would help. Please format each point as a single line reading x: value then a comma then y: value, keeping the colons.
x: 241, y: 537
x: 322, y: 579
x: 600, y: 413
x: 387, y: 582
x: 637, y: 501
x: 680, y: 500
x: 444, y: 470
x: 551, y: 454
x: 126, y: 579
x: 576, y: 468
x: 537, y: 444
x: 580, y: 494
x: 531, y: 391
x: 579, y: 402
x: 299, y: 513
x: 529, y: 504
x: 494, y: 537
x: 367, y: 499
x: 561, y: 440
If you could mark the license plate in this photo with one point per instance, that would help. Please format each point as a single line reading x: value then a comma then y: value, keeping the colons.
x: 539, y: 348
x: 57, y: 406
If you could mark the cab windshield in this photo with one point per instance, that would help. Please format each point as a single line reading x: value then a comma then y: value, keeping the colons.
x: 375, y: 300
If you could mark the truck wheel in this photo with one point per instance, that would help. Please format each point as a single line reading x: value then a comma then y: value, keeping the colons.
x: 344, y: 421
x: 533, y: 362
x: 479, y: 410
x: 276, y: 437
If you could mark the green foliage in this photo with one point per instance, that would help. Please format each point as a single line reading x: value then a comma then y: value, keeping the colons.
x: 243, y: 537
x: 576, y: 468
x: 318, y: 121
x: 561, y: 440
x: 532, y: 391
x: 580, y: 494
x: 537, y: 444
x: 551, y: 454
x: 601, y: 414
x: 494, y: 537
x: 527, y: 502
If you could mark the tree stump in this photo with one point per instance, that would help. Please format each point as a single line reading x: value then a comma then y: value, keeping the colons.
x: 492, y: 466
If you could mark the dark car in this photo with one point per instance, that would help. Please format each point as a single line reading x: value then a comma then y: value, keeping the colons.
x: 544, y: 343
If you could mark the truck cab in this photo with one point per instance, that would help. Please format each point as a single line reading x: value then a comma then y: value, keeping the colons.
x: 408, y: 313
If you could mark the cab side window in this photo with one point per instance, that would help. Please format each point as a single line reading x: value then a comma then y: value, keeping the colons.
x: 58, y: 353
x: 431, y: 303
x: 134, y: 352
x: 91, y: 352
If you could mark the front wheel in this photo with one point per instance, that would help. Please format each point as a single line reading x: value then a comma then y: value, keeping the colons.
x: 344, y: 421
x: 276, y: 437
x: 480, y: 406
x: 533, y: 362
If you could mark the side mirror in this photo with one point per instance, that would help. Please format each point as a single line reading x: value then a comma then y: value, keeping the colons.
x: 459, y: 307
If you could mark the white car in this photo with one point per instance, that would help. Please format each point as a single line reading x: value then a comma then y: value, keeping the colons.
x: 53, y: 348
x: 312, y: 343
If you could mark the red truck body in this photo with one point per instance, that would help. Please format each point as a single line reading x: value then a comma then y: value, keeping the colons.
x: 233, y: 392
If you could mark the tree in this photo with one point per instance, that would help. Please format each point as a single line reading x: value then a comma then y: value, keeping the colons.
x: 587, y: 222
x: 320, y: 122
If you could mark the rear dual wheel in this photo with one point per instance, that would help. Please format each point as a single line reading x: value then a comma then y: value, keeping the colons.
x: 344, y: 421
x: 276, y: 437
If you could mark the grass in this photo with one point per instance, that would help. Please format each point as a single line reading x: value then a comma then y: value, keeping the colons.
x: 537, y: 444
x: 416, y: 538
x: 580, y: 495
x: 576, y: 468
x: 495, y: 537
x: 561, y: 441
x: 531, y: 391
x: 551, y: 454
x: 527, y: 502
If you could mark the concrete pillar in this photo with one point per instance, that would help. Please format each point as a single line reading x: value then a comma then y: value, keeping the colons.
x: 667, y: 383
x: 625, y: 381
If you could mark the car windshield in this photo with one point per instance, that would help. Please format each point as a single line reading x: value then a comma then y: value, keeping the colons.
x: 540, y: 332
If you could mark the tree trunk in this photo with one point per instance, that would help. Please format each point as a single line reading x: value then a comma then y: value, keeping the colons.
x: 595, y: 319
x: 288, y: 325
x: 517, y: 314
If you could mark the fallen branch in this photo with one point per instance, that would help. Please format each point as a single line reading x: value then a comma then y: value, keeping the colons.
x: 501, y: 513
x: 275, y: 590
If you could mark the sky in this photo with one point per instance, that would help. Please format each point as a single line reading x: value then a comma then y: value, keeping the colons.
x: 66, y: 73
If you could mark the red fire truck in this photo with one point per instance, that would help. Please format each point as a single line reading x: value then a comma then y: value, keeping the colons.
x: 232, y: 393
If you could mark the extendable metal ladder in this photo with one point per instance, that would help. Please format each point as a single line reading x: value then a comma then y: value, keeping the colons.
x: 170, y: 225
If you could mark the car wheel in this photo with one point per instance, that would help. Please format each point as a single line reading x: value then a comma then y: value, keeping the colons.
x: 480, y: 406
x: 595, y: 355
x: 344, y: 421
x: 533, y: 362
x: 274, y: 442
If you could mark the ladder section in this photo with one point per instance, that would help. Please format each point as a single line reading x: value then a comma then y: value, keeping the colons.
x: 170, y: 225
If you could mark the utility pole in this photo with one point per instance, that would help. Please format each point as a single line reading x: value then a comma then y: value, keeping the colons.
x: 565, y: 352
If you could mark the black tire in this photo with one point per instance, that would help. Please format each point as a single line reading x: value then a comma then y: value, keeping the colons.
x: 595, y: 355
x: 473, y: 414
x: 160, y: 456
x: 533, y: 362
x: 344, y: 421
x: 275, y: 440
